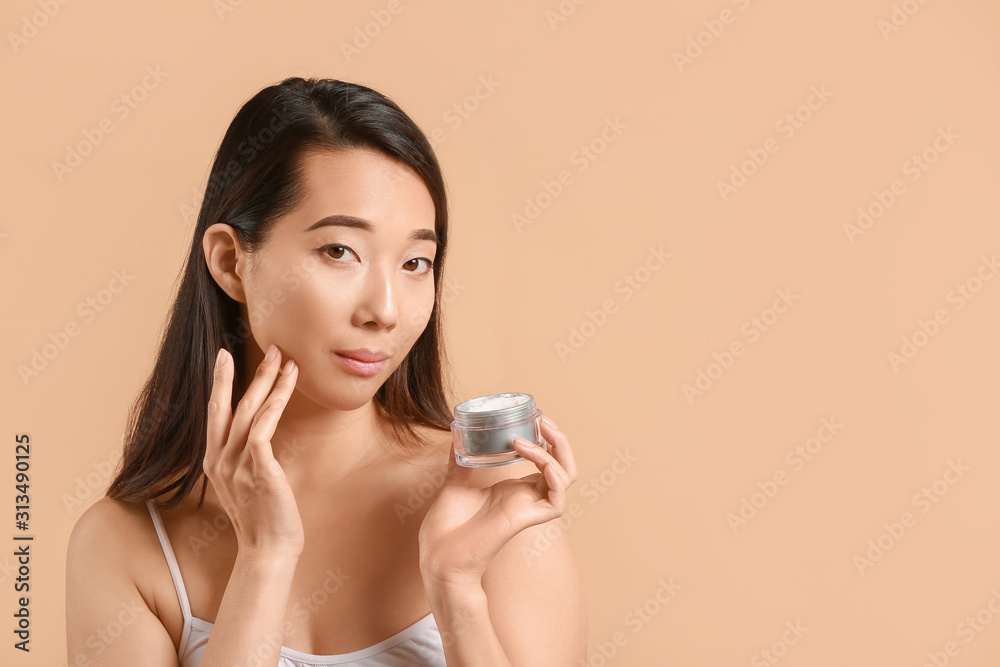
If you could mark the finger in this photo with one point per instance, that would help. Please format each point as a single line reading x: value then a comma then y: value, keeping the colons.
x: 554, y: 479
x: 559, y: 447
x: 265, y: 422
x: 557, y: 488
x: 251, y: 403
x: 262, y: 461
x: 219, y: 405
x: 541, y: 458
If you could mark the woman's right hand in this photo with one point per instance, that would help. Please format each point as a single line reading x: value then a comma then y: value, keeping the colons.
x: 240, y: 464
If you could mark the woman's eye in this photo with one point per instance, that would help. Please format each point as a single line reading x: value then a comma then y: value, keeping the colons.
x: 338, y: 251
x: 416, y: 260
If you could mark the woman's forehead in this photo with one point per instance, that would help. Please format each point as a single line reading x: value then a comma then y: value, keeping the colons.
x: 363, y: 184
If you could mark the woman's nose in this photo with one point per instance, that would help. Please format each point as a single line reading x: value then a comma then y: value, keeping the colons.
x: 377, y: 300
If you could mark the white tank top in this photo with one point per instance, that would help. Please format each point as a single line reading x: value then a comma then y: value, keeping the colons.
x: 418, y: 645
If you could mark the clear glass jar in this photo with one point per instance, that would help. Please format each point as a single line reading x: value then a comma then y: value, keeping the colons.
x: 484, y: 428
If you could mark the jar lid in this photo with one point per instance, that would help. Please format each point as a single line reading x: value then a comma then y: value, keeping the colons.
x: 495, y: 410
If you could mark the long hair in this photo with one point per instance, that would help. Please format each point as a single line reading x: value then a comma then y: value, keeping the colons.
x: 256, y: 178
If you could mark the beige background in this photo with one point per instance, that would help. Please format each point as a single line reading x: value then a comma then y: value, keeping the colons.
x: 515, y: 295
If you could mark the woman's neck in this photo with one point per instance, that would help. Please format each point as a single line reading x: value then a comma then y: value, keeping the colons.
x: 313, y: 443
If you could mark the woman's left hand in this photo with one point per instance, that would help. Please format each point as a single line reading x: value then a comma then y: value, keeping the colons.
x: 466, y: 527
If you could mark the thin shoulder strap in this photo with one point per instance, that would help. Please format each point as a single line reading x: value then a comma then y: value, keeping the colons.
x: 168, y: 551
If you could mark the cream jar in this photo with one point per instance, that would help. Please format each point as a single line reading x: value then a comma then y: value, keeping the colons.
x: 484, y: 428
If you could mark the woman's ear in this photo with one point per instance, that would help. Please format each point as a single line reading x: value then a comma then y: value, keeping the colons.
x: 226, y: 260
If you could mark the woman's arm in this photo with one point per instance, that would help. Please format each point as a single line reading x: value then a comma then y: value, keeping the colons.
x: 240, y: 465
x: 249, y: 628
x: 498, y: 573
x: 108, y: 622
x: 529, y: 608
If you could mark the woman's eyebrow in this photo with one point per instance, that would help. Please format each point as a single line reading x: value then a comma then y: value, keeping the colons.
x: 361, y: 223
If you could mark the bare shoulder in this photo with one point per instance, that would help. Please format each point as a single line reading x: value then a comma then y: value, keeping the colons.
x: 107, y: 549
x: 107, y: 510
x: 114, y: 542
x: 107, y: 534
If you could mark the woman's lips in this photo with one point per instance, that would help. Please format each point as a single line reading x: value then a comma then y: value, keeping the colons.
x: 363, y: 368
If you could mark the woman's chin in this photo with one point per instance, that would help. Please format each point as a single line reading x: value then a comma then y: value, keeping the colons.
x: 340, y: 395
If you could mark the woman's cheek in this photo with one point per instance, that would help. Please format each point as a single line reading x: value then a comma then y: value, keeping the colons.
x: 275, y: 314
x: 416, y: 323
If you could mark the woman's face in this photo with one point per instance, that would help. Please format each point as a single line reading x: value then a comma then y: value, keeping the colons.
x: 349, y: 269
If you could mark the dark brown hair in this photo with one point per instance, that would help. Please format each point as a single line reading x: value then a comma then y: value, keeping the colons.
x: 256, y: 178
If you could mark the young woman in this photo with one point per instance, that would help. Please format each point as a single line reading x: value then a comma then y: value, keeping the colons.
x: 298, y: 384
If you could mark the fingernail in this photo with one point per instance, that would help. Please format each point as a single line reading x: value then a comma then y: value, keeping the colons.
x: 549, y: 422
x: 270, y: 353
x: 287, y: 368
x: 521, y: 441
x: 219, y: 357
